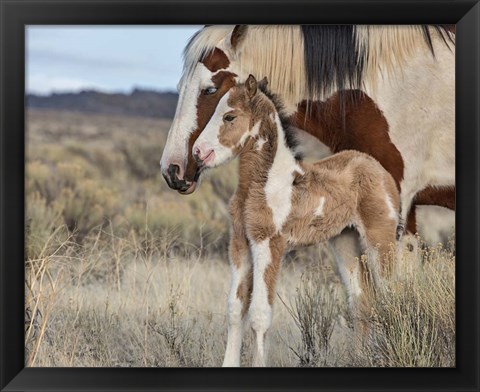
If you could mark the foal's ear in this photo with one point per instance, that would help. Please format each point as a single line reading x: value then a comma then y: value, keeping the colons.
x: 251, y: 86
x: 238, y: 34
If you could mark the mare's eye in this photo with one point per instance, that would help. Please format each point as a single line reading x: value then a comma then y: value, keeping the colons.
x: 229, y: 117
x: 210, y: 91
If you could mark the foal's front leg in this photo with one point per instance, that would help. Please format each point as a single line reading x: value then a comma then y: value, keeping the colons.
x: 240, y: 291
x: 267, y: 255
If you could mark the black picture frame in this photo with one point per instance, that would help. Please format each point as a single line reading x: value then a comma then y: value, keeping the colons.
x: 15, y: 15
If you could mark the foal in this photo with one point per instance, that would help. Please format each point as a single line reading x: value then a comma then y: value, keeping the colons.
x: 281, y: 203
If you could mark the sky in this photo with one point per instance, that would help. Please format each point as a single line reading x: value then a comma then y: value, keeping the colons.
x: 106, y: 58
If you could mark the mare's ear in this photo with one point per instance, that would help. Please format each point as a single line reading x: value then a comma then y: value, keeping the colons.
x: 262, y: 84
x: 238, y: 34
x: 251, y: 86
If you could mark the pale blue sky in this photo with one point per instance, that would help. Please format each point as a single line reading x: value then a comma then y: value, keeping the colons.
x: 108, y: 58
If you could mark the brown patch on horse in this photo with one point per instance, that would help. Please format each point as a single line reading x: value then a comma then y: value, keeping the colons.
x: 277, y: 249
x: 431, y: 196
x: 438, y: 196
x: 244, y: 292
x: 240, y: 252
x: 206, y: 104
x: 238, y: 248
x: 216, y: 60
x: 191, y: 168
x: 411, y: 225
x: 351, y: 122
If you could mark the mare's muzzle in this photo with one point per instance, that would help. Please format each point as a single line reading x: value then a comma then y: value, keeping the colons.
x: 181, y: 185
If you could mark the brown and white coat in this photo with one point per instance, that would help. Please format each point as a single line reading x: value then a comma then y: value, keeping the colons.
x: 283, y: 203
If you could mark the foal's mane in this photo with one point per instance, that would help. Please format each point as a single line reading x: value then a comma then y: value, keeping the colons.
x: 312, y: 62
x: 288, y: 130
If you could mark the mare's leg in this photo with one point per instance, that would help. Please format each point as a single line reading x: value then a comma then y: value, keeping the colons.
x: 267, y: 256
x: 240, y: 291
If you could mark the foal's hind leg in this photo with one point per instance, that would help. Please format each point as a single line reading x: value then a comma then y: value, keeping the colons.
x: 346, y: 249
x: 380, y: 241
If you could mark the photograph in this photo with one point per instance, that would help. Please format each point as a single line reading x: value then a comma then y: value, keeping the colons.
x: 240, y: 195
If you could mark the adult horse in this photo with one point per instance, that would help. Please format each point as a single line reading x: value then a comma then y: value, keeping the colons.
x: 387, y: 91
x: 384, y: 90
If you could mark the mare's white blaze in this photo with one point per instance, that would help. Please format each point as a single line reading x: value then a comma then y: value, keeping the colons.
x: 319, y: 209
x: 260, y: 312
x: 278, y: 189
x: 185, y: 120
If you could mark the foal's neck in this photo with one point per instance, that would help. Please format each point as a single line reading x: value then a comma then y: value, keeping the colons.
x: 266, y: 157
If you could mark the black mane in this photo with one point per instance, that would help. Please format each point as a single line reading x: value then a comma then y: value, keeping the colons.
x: 333, y: 60
x: 290, y: 134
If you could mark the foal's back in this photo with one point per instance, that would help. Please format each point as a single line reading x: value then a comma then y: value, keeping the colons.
x: 347, y: 189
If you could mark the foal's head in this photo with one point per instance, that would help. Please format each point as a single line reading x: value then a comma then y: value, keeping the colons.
x: 235, y: 122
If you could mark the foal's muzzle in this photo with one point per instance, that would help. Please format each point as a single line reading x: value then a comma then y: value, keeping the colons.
x: 203, y: 156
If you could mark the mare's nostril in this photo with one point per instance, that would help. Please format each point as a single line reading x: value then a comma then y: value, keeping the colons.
x: 173, y: 170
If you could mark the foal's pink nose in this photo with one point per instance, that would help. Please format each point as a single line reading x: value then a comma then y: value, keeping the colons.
x: 203, y: 155
x: 197, y: 152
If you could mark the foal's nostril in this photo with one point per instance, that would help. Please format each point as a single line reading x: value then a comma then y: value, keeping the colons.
x: 196, y: 156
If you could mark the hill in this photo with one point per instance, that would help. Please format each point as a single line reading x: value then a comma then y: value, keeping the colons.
x: 143, y: 103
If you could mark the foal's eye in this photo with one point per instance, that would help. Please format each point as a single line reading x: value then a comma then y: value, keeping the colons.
x: 229, y: 117
x: 210, y: 91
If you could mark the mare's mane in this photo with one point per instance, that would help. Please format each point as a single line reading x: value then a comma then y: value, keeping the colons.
x: 312, y: 62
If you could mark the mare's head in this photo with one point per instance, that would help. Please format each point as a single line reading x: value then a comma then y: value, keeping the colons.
x: 209, y: 73
x: 235, y: 122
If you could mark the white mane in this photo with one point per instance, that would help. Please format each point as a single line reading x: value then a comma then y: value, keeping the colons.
x: 278, y: 52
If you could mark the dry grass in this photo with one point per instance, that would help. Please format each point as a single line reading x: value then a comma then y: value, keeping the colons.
x: 123, y: 302
x: 123, y: 272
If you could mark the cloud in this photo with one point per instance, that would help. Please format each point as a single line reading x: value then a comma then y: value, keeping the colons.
x: 44, y: 84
